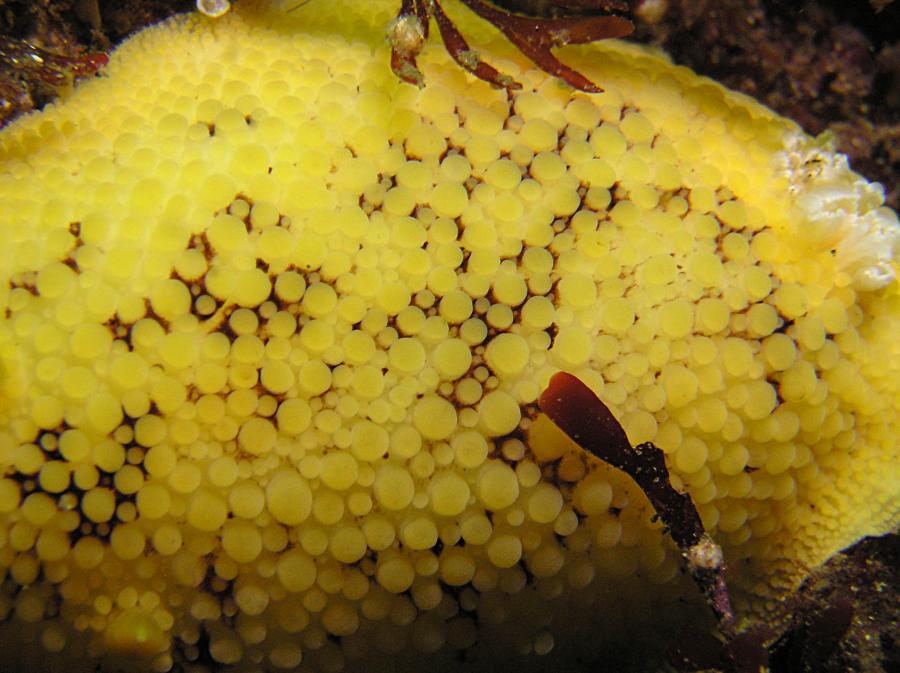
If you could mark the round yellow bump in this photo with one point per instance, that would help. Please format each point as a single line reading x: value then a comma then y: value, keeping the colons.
x: 98, y: 504
x: 691, y: 455
x: 396, y: 574
x: 340, y: 619
x: 241, y: 540
x: 296, y: 570
x: 504, y: 550
x: 289, y: 498
x: 578, y: 290
x: 52, y: 545
x: 277, y: 377
x: 393, y: 487
x: 497, y: 485
x: 54, y: 477
x: 434, y: 417
x: 153, y: 501
x: 314, y: 377
x: 127, y: 541
x: 246, y: 499
x: 507, y: 354
x: 538, y: 312
x: 593, y: 496
x: 779, y: 351
x: 339, y: 470
x: 449, y: 199
x: 419, y: 533
x: 452, y: 358
x: 449, y: 493
x: 680, y: 385
x: 572, y: 347
x: 167, y: 539
x: 293, y: 416
x: 9, y: 495
x: 348, y: 544
x: 207, y: 511
x: 616, y: 315
x: 499, y: 413
x: 470, y: 449
x: 476, y: 529
x: 677, y: 318
x: 407, y: 355
x: 544, y: 504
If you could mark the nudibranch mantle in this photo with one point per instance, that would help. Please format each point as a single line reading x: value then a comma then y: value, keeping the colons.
x: 273, y: 326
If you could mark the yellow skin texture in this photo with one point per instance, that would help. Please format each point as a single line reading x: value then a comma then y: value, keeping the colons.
x: 275, y: 325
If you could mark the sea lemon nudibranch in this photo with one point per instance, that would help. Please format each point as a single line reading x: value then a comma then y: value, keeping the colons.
x: 275, y: 325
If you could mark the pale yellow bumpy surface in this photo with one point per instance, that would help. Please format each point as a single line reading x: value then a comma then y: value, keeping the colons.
x: 273, y: 326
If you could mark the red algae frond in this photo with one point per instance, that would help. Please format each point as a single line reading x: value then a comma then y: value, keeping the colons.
x: 535, y: 37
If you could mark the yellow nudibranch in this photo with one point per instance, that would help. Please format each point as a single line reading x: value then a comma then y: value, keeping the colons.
x: 273, y: 325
